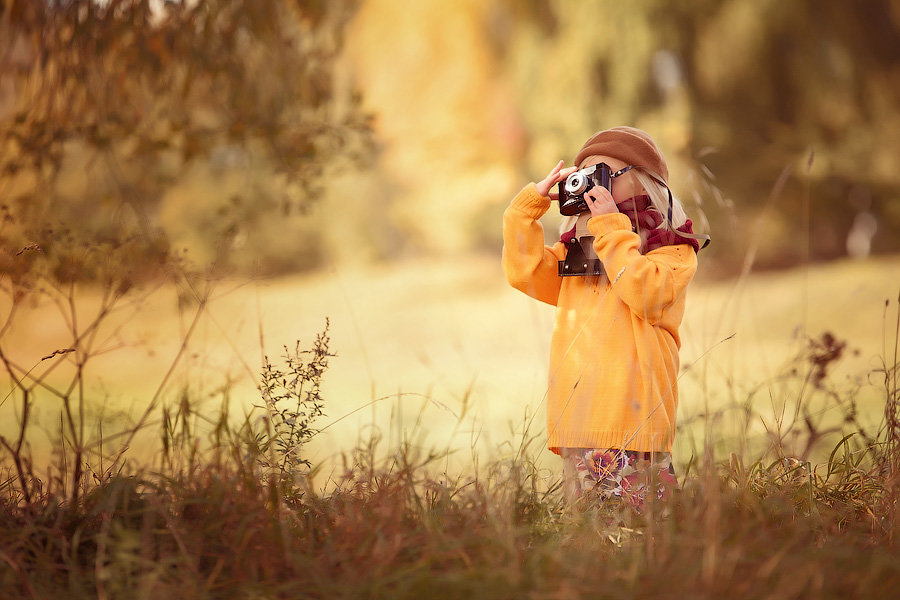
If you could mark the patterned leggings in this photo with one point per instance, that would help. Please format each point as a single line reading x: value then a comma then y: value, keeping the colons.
x: 627, y: 474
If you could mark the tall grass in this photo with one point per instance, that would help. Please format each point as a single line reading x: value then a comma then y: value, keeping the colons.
x: 243, y: 515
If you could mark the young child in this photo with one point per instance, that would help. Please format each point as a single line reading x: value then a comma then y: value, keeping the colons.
x: 614, y: 354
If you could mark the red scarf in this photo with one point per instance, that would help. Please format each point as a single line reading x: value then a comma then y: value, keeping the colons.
x: 645, y: 219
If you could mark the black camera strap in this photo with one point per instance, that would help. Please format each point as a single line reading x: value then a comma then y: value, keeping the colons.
x: 694, y: 236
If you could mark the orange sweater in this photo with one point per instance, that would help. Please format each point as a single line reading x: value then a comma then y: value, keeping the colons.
x: 614, y: 353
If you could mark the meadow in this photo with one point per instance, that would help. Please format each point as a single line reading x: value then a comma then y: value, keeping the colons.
x: 372, y: 425
x: 447, y: 339
x: 426, y: 474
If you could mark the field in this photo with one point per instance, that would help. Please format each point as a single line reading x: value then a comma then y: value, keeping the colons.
x: 445, y: 350
x: 429, y: 472
x: 256, y: 343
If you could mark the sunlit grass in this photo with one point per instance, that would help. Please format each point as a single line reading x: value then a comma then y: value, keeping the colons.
x: 429, y: 476
x: 448, y: 345
x: 215, y: 523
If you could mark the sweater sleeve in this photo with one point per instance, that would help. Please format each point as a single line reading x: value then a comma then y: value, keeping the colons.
x: 529, y: 265
x: 647, y: 283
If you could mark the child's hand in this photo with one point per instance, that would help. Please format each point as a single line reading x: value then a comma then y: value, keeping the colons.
x: 600, y: 201
x: 558, y: 173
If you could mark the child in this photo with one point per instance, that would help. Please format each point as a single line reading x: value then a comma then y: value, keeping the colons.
x: 614, y: 354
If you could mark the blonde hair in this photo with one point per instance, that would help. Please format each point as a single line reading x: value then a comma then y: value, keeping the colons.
x: 659, y: 198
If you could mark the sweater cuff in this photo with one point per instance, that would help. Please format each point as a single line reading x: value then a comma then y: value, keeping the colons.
x: 603, y: 224
x: 530, y: 202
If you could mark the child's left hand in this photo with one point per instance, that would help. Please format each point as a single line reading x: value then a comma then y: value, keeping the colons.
x: 600, y: 201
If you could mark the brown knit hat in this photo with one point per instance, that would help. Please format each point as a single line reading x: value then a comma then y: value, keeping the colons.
x: 631, y: 145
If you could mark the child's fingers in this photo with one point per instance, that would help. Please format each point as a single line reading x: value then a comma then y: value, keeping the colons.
x: 560, y: 174
x: 590, y: 196
x: 598, y: 193
x: 555, y: 172
x: 600, y: 201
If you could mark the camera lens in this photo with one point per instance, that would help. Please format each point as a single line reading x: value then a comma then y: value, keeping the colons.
x: 576, y: 183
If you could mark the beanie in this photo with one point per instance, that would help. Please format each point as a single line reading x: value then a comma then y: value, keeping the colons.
x: 631, y: 145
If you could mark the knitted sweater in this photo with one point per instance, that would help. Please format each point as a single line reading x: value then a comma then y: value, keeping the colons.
x: 614, y: 353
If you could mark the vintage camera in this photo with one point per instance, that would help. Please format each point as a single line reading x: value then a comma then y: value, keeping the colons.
x: 572, y: 190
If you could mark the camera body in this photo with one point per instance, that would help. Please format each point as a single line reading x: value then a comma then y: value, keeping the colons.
x: 573, y: 189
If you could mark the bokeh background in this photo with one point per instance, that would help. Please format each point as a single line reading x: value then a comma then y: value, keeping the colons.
x: 303, y: 160
x: 478, y: 99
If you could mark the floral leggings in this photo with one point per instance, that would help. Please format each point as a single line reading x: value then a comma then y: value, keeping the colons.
x: 626, y: 474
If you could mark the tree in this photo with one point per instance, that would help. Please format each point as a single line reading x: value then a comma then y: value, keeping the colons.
x: 105, y: 106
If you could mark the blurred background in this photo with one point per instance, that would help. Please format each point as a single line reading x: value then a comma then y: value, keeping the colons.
x: 262, y: 137
x: 477, y: 100
x: 353, y: 159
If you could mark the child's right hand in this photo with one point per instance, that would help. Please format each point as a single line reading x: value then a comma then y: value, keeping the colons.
x: 545, y: 186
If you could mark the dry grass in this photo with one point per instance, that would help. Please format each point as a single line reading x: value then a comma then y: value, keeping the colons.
x: 215, y: 528
x: 804, y: 503
x: 218, y: 521
x: 449, y: 346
